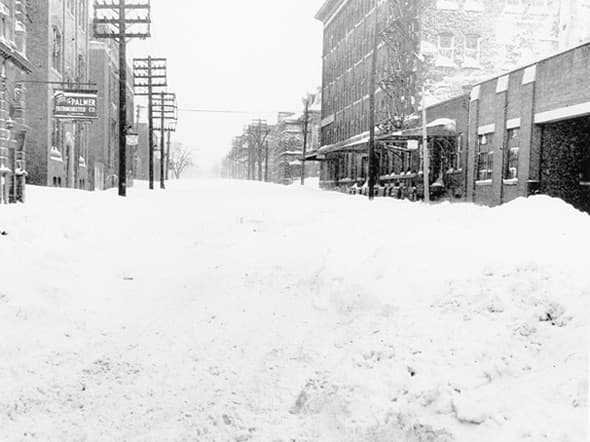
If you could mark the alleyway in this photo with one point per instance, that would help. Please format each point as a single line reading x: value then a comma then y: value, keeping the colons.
x: 233, y: 311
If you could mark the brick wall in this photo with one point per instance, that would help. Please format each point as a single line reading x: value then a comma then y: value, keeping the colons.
x: 553, y: 91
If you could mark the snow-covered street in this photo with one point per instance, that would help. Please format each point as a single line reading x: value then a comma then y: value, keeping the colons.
x: 238, y: 311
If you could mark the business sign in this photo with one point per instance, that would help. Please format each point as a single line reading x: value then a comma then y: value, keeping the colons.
x: 132, y: 139
x: 75, y: 105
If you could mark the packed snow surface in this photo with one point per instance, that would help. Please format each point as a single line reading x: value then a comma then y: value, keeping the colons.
x: 236, y: 311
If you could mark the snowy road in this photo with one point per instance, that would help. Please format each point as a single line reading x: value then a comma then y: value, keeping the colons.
x: 222, y: 311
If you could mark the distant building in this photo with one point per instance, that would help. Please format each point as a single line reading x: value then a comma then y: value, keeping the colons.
x: 15, y: 66
x: 103, y: 161
x: 57, y: 149
x: 141, y: 158
x: 289, y: 151
x: 460, y: 42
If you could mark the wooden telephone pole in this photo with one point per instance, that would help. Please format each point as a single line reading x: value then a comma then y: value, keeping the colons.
x: 112, y: 22
x: 371, y: 159
x: 166, y: 116
x: 150, y: 77
x: 308, y: 101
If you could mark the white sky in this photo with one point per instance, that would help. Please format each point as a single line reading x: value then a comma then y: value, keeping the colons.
x: 255, y: 55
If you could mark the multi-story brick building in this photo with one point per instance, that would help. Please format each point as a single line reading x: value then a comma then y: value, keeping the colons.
x: 15, y: 66
x: 438, y: 45
x: 289, y: 148
x: 103, y: 163
x: 57, y: 149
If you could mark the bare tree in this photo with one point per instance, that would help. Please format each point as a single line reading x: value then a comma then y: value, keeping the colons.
x: 180, y: 159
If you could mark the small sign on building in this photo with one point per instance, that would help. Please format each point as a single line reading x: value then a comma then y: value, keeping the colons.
x: 75, y: 105
x: 132, y: 139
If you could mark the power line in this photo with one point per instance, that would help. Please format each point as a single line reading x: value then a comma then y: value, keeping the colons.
x: 231, y: 111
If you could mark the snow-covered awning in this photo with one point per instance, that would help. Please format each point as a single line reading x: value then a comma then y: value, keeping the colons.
x: 441, y: 127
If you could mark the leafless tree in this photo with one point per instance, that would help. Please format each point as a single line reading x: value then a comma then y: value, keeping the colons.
x: 180, y: 159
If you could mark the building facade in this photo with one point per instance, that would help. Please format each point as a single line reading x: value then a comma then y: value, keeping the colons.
x: 13, y: 73
x: 287, y: 157
x: 427, y: 51
x: 103, y: 163
x: 529, y: 132
x: 57, y: 149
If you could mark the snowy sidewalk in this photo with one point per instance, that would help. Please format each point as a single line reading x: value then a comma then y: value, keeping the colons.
x: 235, y: 311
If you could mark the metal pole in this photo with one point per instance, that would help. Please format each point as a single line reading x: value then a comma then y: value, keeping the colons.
x: 151, y: 125
x: 372, y: 85
x: 305, y: 123
x: 425, y: 151
x: 162, y: 145
x: 122, y: 101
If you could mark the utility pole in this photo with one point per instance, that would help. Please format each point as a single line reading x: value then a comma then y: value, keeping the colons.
x: 371, y: 169
x: 266, y: 163
x: 168, y: 153
x: 305, y: 128
x: 149, y: 74
x: 111, y: 18
x: 166, y: 116
x: 162, y: 144
x: 425, y: 151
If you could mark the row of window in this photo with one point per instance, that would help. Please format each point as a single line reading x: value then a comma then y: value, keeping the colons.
x: 397, y: 162
x: 485, y: 156
x: 352, y: 14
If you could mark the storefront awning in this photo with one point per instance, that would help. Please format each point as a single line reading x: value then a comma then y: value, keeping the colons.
x: 440, y: 128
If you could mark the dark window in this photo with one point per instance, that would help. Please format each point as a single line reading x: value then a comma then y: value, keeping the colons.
x: 512, y: 154
x: 485, y: 157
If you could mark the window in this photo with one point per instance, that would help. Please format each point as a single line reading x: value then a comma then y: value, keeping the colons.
x: 512, y: 154
x: 457, y: 164
x: 56, y: 138
x: 472, y: 47
x: 56, y: 55
x: 485, y: 157
x: 81, y: 74
x: 82, y: 13
x: 446, y: 45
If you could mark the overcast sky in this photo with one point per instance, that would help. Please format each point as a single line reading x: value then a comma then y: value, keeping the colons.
x: 257, y: 56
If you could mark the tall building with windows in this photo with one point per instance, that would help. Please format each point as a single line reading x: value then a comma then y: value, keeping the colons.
x: 435, y: 46
x: 57, y: 149
x: 14, y: 69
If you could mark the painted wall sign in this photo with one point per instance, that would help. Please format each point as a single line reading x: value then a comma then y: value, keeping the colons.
x: 79, y: 105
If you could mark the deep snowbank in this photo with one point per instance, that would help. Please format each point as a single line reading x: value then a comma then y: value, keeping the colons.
x: 243, y: 311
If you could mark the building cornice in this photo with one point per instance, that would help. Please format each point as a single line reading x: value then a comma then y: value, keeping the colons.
x: 328, y: 9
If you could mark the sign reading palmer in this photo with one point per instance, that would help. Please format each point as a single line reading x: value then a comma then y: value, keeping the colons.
x: 78, y: 105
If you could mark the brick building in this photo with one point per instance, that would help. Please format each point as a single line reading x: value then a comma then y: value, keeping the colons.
x: 103, y: 163
x: 462, y: 42
x: 529, y: 132
x: 14, y: 70
x: 57, y: 149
